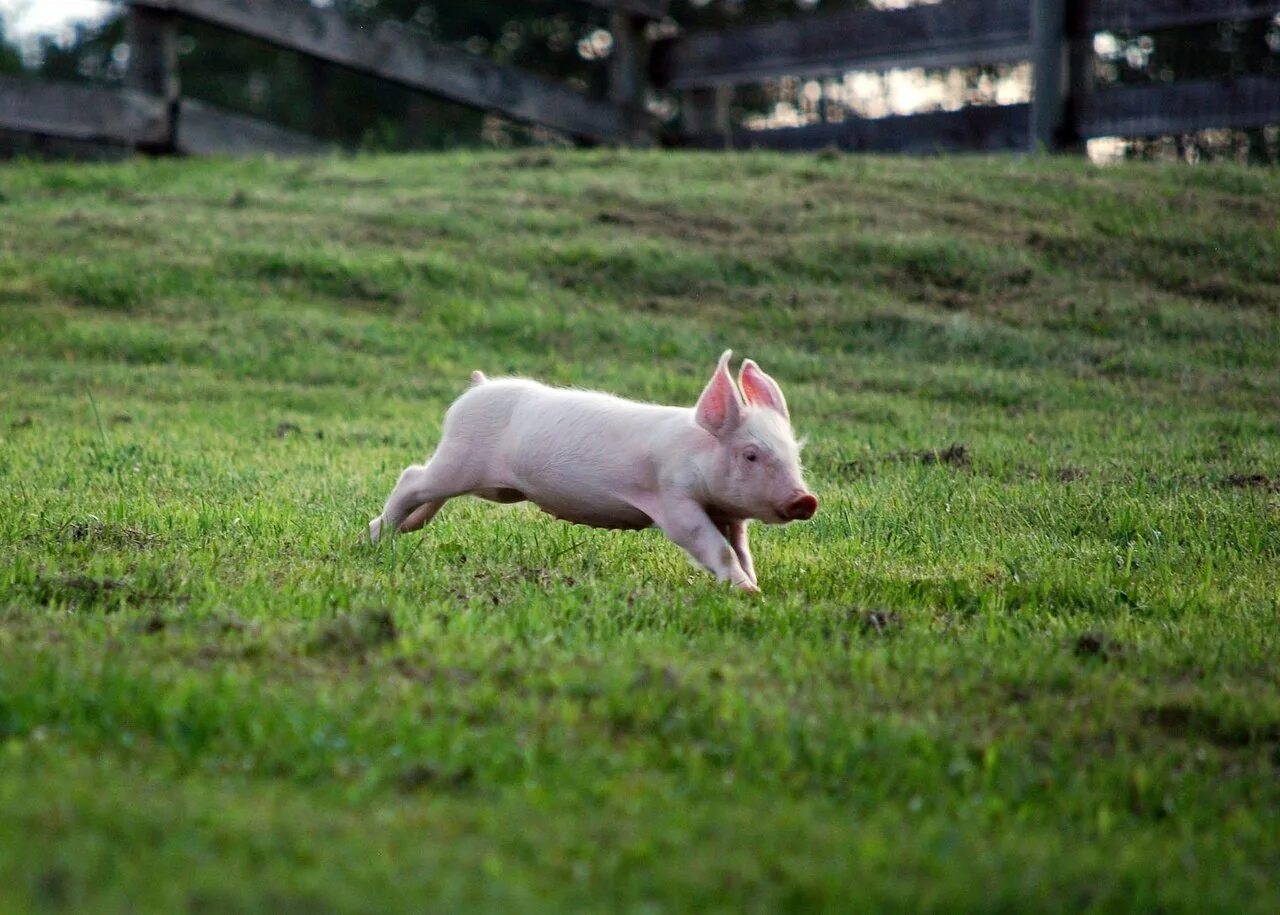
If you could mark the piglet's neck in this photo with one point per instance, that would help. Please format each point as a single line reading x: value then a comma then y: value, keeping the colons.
x: 702, y: 454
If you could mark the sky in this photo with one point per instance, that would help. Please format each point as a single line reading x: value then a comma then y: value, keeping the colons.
x: 25, y: 19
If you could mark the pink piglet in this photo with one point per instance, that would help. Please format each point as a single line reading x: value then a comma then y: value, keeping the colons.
x: 699, y: 473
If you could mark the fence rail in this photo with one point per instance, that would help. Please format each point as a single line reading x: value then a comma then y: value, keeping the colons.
x: 88, y: 113
x: 1132, y: 15
x: 995, y: 128
x: 124, y: 117
x: 701, y: 67
x: 206, y: 130
x: 952, y: 34
x: 1181, y: 107
x: 646, y: 9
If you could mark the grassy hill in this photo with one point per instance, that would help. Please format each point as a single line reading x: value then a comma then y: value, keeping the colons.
x: 1026, y: 657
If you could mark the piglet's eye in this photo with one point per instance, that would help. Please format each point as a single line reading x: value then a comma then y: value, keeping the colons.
x: 750, y: 455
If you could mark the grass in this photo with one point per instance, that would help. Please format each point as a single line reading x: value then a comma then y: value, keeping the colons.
x: 1025, y: 658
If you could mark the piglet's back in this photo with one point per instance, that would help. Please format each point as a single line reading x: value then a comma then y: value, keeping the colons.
x: 533, y: 428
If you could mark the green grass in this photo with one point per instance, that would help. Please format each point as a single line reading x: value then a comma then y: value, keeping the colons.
x: 1040, y: 673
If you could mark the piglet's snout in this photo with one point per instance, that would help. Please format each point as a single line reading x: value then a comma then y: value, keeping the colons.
x: 801, y: 507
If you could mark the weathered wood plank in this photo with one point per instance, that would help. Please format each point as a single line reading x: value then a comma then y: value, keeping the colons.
x: 152, y: 36
x: 648, y: 9
x: 1049, y: 66
x: 17, y: 145
x: 1131, y: 15
x: 395, y: 53
x: 705, y: 113
x: 629, y: 68
x: 977, y: 128
x: 952, y: 33
x: 1247, y: 101
x: 125, y: 118
x: 78, y: 112
x: 204, y: 130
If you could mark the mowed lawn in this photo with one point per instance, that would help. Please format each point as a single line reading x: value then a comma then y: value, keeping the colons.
x: 1024, y: 659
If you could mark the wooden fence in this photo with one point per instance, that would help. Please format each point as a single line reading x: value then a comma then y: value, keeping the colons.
x: 701, y: 68
x: 1055, y: 36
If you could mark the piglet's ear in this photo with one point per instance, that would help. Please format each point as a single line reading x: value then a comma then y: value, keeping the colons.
x: 760, y: 390
x: 719, y: 409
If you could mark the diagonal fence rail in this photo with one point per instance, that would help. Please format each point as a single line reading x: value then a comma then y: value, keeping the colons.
x: 392, y: 52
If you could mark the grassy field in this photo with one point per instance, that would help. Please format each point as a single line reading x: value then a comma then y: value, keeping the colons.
x: 1026, y: 658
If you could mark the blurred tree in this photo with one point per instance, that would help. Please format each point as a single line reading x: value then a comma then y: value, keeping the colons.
x: 10, y: 57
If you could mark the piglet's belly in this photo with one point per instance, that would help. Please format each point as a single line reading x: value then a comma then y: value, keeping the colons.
x: 607, y: 513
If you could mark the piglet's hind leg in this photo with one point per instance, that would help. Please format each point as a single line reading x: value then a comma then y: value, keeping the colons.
x: 421, y: 492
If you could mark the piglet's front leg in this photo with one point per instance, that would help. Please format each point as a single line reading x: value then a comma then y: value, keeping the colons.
x: 736, y: 533
x: 687, y: 524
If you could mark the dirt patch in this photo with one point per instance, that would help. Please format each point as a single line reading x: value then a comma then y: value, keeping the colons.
x: 842, y: 628
x: 533, y: 160
x: 118, y: 535
x: 649, y: 677
x: 1096, y: 645
x: 81, y: 592
x: 85, y: 591
x: 1254, y: 481
x: 487, y: 579
x: 357, y: 633
x: 350, y: 183
x: 879, y: 621
x: 456, y: 676
x: 673, y: 221
x: 956, y: 455
x: 668, y: 221
x: 1018, y: 695
x: 1198, y: 267
x: 425, y: 775
x: 1192, y: 723
x: 53, y: 887
x: 368, y: 286
x: 1071, y: 474
x: 1221, y: 290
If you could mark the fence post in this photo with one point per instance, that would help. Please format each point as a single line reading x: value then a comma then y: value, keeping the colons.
x: 152, y: 36
x: 1079, y: 75
x: 1049, y: 65
x: 629, y: 68
x: 705, y: 113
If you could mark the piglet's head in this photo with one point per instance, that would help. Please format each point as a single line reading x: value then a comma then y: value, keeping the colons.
x: 754, y: 467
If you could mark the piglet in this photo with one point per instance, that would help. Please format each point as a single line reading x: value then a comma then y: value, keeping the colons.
x: 700, y: 474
